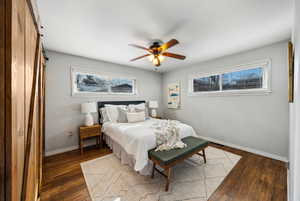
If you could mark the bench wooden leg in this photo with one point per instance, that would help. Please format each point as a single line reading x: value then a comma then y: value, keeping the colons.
x: 204, y: 156
x: 152, y: 175
x: 168, y: 179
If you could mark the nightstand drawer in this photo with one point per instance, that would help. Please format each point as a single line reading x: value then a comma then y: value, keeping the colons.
x: 87, y: 135
x: 90, y: 131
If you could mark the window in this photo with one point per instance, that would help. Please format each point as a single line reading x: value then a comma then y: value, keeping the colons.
x: 86, y: 83
x: 243, y: 79
x: 210, y: 83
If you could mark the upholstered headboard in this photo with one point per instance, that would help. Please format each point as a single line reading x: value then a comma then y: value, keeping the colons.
x: 103, y: 103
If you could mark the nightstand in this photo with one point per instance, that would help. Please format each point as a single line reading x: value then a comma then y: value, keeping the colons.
x: 89, y: 132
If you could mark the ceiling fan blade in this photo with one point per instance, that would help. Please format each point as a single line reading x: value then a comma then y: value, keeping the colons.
x: 141, y: 47
x: 176, y: 56
x: 140, y: 57
x: 169, y: 44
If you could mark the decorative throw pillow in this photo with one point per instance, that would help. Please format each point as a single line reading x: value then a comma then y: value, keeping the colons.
x: 139, y: 108
x: 133, y: 117
x: 130, y: 109
x: 144, y: 110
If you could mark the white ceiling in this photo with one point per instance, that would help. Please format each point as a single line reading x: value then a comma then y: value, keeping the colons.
x: 206, y: 29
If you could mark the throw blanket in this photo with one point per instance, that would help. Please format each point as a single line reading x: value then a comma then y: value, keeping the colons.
x: 167, y: 135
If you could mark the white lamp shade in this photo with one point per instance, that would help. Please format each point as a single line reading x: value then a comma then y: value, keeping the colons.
x: 88, y: 107
x: 153, y: 104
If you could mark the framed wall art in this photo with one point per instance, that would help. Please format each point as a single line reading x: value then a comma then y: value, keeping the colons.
x: 93, y: 83
x: 174, y: 95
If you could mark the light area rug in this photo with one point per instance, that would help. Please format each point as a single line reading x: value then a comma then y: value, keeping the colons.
x: 108, y: 180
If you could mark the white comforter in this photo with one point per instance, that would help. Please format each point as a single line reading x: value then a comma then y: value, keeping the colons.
x: 137, y: 138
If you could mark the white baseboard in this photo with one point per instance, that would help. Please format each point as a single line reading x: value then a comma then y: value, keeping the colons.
x: 66, y: 149
x: 251, y: 150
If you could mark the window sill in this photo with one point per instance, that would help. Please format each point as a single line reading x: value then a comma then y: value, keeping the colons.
x: 232, y: 93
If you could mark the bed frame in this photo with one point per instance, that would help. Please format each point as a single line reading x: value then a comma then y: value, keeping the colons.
x: 103, y: 103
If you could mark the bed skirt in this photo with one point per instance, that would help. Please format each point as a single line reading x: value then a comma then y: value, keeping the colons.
x: 126, y: 158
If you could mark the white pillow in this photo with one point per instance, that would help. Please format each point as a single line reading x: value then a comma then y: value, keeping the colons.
x: 133, y: 117
x: 112, y: 112
x: 104, y: 117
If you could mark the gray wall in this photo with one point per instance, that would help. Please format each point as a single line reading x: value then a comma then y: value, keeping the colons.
x: 258, y: 122
x: 294, y: 154
x: 63, y: 116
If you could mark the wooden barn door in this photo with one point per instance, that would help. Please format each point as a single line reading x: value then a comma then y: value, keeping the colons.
x: 21, y: 102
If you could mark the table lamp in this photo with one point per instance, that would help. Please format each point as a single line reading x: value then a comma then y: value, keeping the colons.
x: 87, y: 109
x: 153, y: 105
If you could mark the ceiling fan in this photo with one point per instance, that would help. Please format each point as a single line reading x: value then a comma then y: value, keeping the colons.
x: 157, y: 51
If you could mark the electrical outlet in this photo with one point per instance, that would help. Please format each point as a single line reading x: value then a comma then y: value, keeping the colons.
x: 70, y: 134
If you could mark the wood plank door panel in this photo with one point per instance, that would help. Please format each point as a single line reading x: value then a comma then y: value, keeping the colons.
x: 16, y: 74
x: 30, y: 38
x: 31, y: 35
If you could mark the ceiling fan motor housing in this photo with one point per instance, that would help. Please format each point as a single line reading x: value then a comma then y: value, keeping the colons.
x: 155, y: 44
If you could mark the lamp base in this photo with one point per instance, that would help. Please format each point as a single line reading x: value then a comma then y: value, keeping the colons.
x: 153, y: 113
x: 89, y: 121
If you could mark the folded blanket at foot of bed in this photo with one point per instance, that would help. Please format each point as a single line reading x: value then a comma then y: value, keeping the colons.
x: 167, y: 135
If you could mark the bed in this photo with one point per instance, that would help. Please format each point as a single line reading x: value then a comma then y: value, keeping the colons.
x: 131, y: 141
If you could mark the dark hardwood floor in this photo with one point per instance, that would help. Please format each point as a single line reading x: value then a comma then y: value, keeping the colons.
x: 254, y: 178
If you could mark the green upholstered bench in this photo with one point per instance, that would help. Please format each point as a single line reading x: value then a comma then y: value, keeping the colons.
x: 167, y: 159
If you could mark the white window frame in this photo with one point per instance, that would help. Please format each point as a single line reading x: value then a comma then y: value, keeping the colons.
x: 264, y: 64
x: 104, y: 75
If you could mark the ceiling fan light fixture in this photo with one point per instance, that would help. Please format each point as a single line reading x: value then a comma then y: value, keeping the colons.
x: 156, y: 61
x: 152, y: 57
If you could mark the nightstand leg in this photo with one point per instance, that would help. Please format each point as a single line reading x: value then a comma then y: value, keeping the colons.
x: 81, y: 147
x: 101, y: 141
x: 98, y: 141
